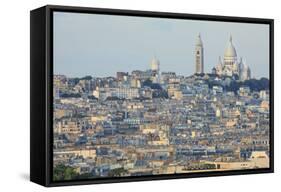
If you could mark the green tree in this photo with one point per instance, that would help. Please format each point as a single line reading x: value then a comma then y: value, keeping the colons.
x: 88, y: 77
x: 62, y: 172
x: 117, y: 172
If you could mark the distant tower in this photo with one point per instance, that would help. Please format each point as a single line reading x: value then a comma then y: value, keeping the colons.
x: 155, y: 68
x: 199, y: 56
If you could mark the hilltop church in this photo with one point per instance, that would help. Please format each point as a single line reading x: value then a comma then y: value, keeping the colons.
x: 230, y: 66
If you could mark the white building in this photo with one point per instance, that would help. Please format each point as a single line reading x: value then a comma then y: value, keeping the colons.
x: 155, y: 68
x: 231, y: 66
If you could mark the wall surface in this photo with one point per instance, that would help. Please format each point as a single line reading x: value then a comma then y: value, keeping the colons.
x: 14, y: 97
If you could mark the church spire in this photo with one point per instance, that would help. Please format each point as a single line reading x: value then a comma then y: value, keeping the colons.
x: 199, y: 40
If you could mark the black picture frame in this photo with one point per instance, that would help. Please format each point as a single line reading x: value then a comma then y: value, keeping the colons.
x: 41, y: 70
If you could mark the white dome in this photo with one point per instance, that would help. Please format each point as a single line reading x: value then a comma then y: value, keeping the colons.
x: 230, y: 49
x: 155, y: 64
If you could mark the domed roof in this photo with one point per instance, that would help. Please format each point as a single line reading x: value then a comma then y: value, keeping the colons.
x: 199, y: 40
x: 230, y: 49
x: 154, y: 63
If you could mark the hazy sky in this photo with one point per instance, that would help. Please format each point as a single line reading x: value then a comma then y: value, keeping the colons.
x: 101, y: 45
